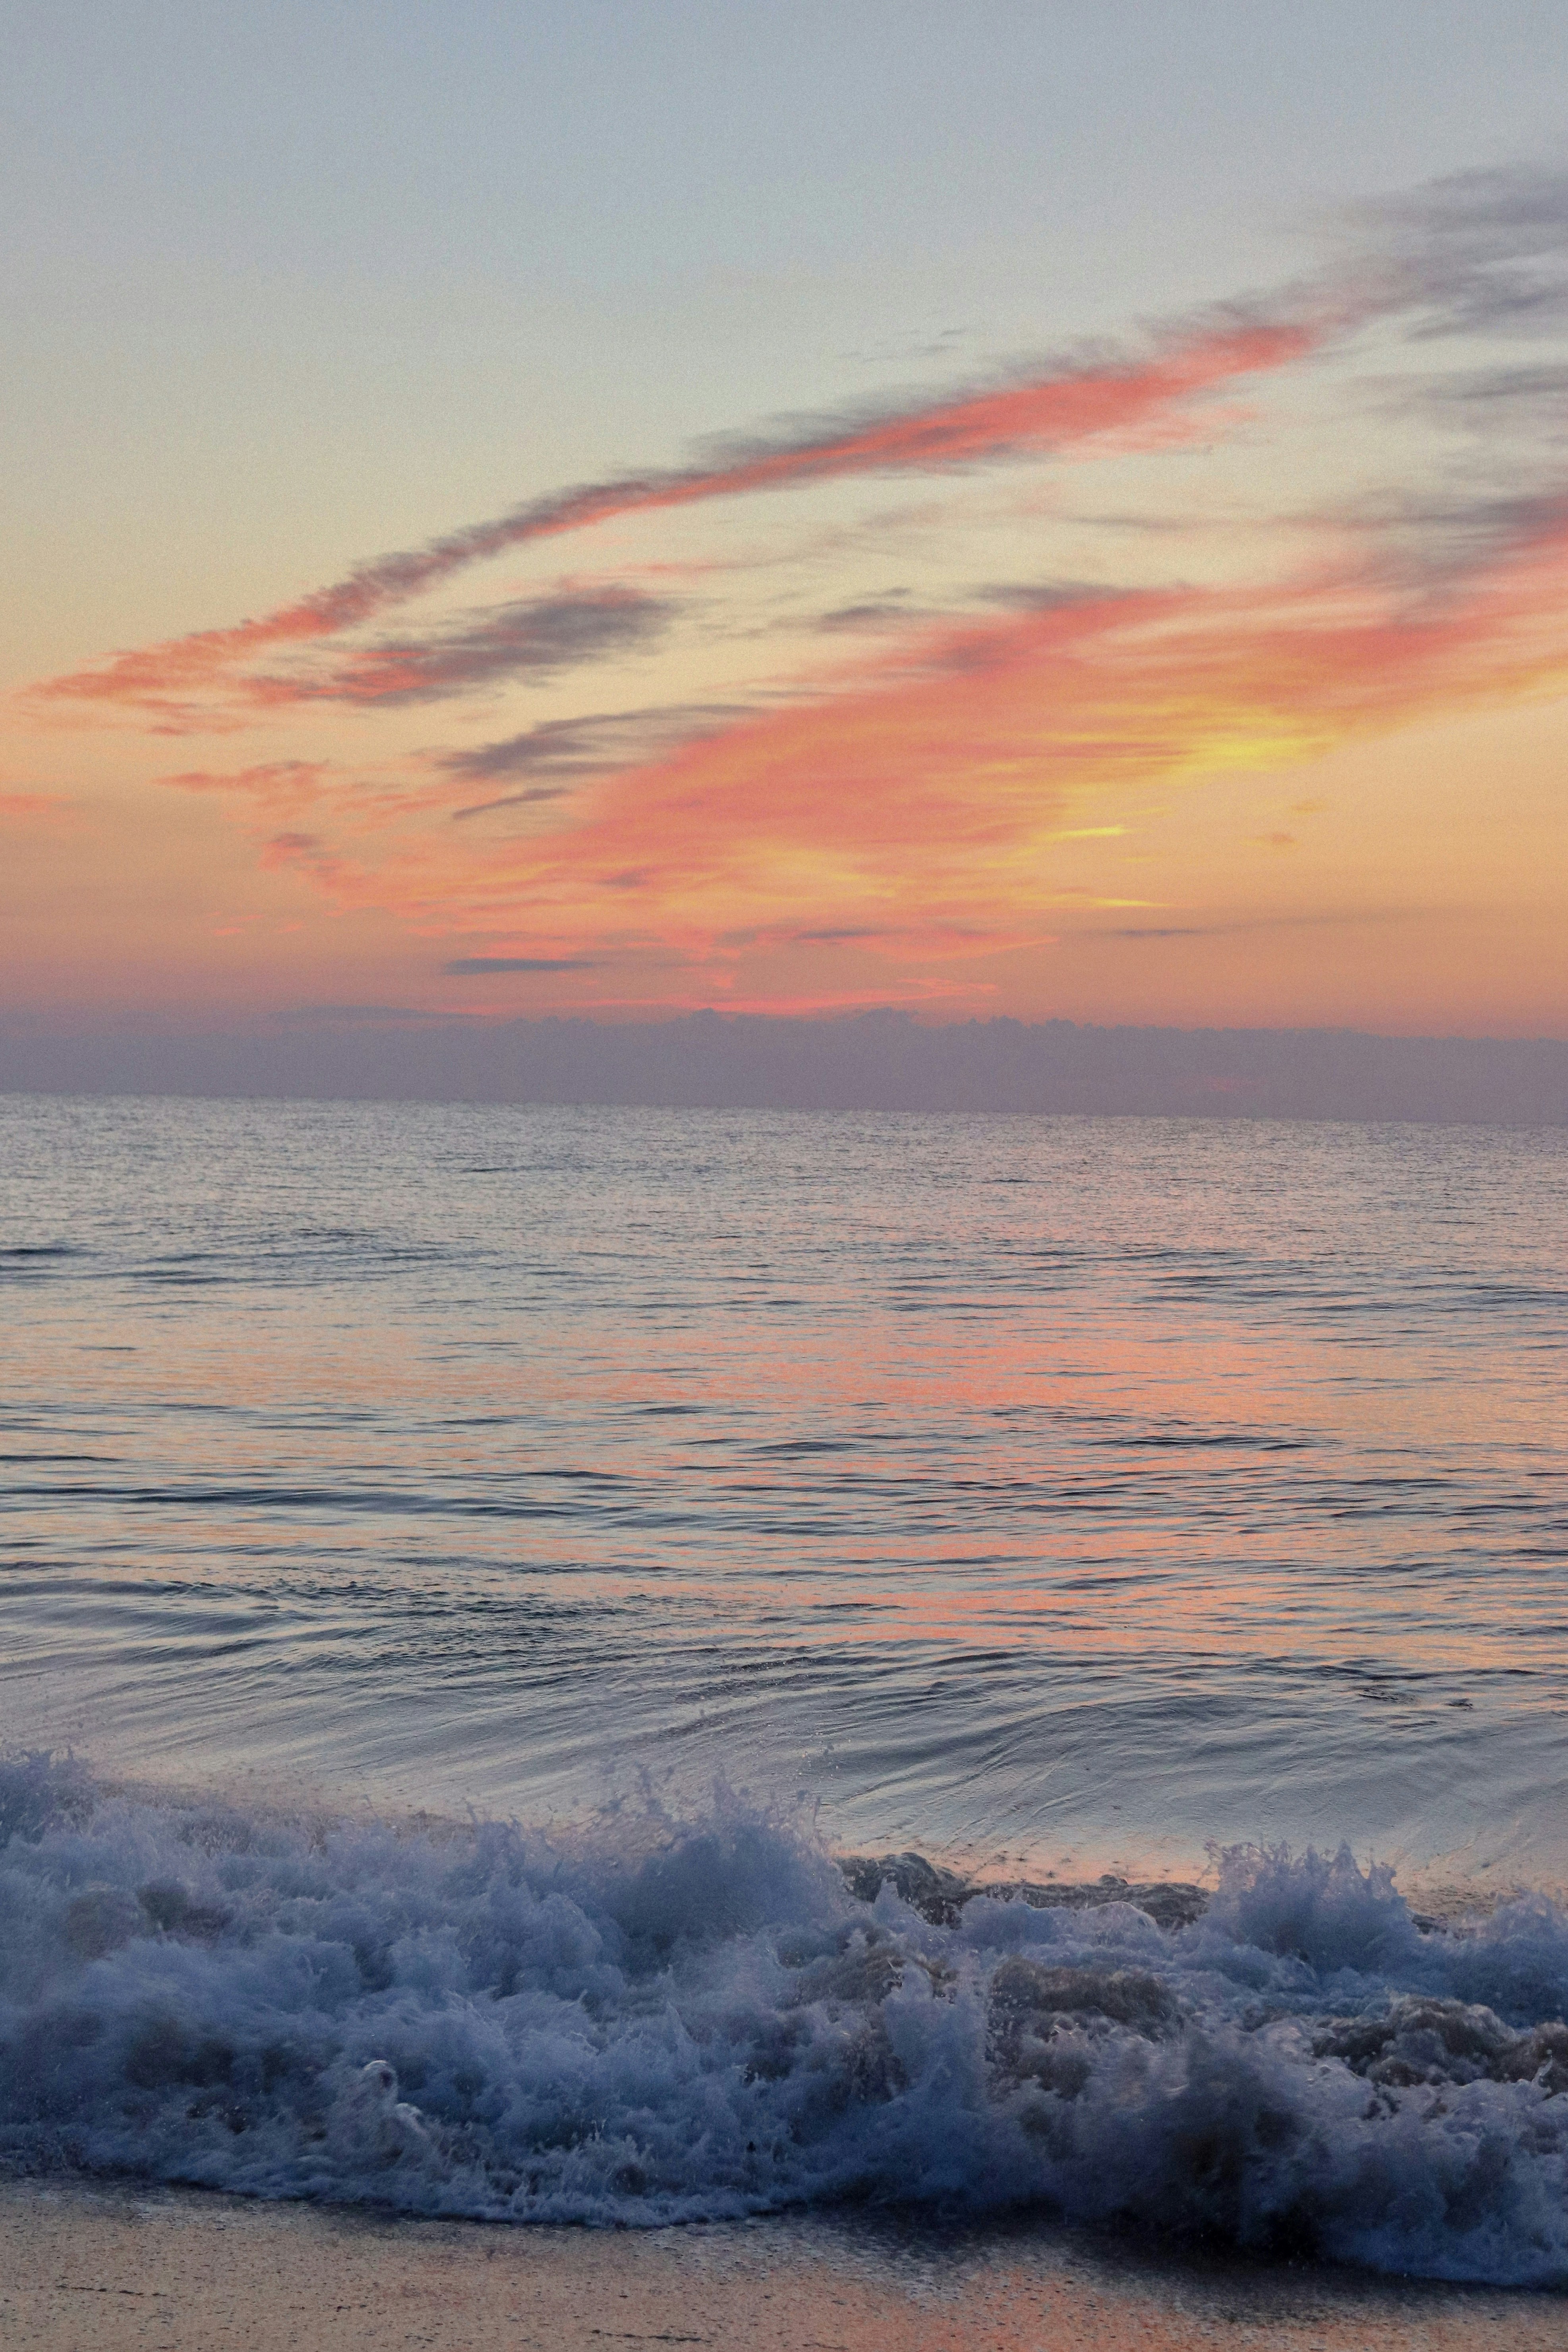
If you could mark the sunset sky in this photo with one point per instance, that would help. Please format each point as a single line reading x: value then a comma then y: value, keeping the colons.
x: 1041, y: 510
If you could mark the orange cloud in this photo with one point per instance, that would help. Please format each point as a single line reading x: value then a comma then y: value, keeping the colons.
x: 35, y: 808
x: 1048, y: 412
x: 924, y: 802
x: 799, y: 789
x: 274, y: 785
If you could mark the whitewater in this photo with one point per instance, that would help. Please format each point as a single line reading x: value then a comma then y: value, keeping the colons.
x: 656, y: 2021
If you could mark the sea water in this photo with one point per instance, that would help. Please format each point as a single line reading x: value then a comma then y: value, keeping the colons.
x: 470, y: 1575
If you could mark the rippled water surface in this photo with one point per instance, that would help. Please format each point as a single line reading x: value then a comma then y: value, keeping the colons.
x: 1068, y: 1490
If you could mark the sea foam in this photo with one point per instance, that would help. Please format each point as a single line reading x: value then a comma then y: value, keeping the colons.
x: 656, y: 2019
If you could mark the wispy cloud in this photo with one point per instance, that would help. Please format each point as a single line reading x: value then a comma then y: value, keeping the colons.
x: 535, y: 637
x: 1029, y: 414
x: 469, y: 967
x: 1338, y: 918
x: 275, y: 786
x: 313, y: 855
x: 1481, y: 253
x: 34, y: 808
x: 878, y: 763
x: 932, y: 792
x: 596, y: 744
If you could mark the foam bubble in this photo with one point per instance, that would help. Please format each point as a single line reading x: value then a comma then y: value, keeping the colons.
x: 662, y: 2020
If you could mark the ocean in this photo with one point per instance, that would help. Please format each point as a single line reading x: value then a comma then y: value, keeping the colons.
x: 472, y: 1576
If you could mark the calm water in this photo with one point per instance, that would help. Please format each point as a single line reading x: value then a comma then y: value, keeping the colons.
x: 1066, y: 1490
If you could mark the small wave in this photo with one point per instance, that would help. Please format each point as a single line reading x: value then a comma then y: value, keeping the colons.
x: 658, y: 2019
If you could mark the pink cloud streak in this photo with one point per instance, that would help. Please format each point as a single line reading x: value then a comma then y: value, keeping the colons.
x: 1049, y: 413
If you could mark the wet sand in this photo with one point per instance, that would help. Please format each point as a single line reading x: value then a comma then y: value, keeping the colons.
x: 113, y: 2269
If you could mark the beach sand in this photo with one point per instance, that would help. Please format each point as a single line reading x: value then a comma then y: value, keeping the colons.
x: 113, y: 2269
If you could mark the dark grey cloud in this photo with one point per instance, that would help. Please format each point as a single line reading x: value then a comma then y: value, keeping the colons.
x: 534, y: 794
x: 1477, y: 262
x: 934, y: 343
x: 874, y: 612
x: 1478, y: 253
x: 1535, y: 393
x: 1511, y: 414
x: 1452, y: 531
x: 467, y: 967
x: 596, y: 744
x: 835, y: 938
x: 1502, y: 479
x: 538, y: 637
x: 1258, y: 923
x: 1048, y: 596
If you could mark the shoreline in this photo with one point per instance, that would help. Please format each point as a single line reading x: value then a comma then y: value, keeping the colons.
x: 125, y: 2268
x: 1174, y: 1888
x: 936, y: 1885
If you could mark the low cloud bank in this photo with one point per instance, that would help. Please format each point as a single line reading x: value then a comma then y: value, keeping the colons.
x: 873, y: 1062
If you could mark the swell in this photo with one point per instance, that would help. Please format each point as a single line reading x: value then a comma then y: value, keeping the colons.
x: 656, y: 2019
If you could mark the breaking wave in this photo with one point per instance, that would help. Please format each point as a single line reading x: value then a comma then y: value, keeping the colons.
x: 659, y: 2020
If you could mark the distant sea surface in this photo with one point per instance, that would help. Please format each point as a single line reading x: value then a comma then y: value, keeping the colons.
x: 1058, y: 1491
x: 1054, y: 1497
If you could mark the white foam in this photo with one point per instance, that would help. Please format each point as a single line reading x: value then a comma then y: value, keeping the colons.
x: 660, y: 2021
